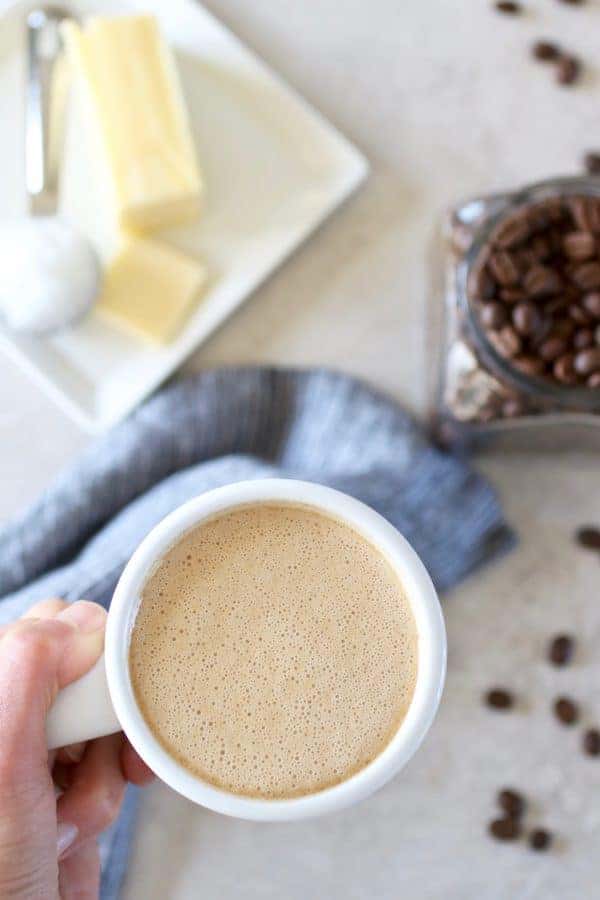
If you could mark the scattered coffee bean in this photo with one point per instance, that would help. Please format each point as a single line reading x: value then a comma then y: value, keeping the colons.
x: 568, y: 70
x: 561, y: 650
x: 507, y: 829
x: 499, y: 698
x: 545, y: 51
x: 573, y: 2
x: 591, y: 161
x: 511, y: 802
x: 508, y: 7
x: 588, y: 536
x: 540, y: 839
x: 566, y: 711
x: 591, y: 742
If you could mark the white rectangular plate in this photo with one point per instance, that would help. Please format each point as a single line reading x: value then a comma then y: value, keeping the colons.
x: 274, y: 170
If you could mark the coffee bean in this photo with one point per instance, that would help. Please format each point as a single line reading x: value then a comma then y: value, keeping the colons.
x: 540, y: 247
x: 591, y: 161
x: 506, y: 829
x: 591, y: 303
x: 566, y: 711
x: 587, y: 276
x: 594, y: 380
x: 541, y: 281
x: 504, y: 268
x: 512, y: 409
x: 587, y: 361
x: 540, y: 839
x: 573, y: 2
x: 563, y: 328
x: 481, y: 285
x: 506, y: 342
x: 512, y: 232
x: 511, y: 802
x: 492, y: 315
x: 526, y: 318
x: 579, y: 245
x: 581, y: 212
x: 583, y: 337
x: 561, y: 650
x: 508, y: 7
x: 529, y: 365
x: 591, y: 742
x: 588, y: 536
x: 545, y: 51
x: 568, y: 70
x: 512, y: 295
x: 564, y: 370
x: 579, y: 314
x: 499, y: 698
x: 552, y: 348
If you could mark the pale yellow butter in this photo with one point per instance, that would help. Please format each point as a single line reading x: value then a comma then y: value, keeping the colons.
x: 150, y: 288
x: 131, y: 75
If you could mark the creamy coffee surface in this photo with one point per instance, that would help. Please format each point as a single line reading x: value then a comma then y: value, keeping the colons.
x: 274, y: 652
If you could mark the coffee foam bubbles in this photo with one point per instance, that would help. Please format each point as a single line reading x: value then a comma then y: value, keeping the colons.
x: 274, y: 653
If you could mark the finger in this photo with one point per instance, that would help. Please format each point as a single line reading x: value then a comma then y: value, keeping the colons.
x: 79, y: 873
x: 46, y: 609
x: 37, y: 658
x: 93, y: 799
x: 71, y: 754
x: 133, y: 766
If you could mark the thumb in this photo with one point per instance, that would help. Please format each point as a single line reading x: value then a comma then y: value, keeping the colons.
x: 38, y: 657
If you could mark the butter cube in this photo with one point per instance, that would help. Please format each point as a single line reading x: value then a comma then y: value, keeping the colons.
x: 136, y: 96
x: 150, y: 288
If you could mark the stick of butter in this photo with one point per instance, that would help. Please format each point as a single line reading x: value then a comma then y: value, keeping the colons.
x: 137, y: 99
x: 150, y: 288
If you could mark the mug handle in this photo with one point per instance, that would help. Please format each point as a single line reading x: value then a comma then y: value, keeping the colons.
x: 82, y: 711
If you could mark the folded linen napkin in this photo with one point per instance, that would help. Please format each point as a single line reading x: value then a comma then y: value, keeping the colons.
x: 226, y: 425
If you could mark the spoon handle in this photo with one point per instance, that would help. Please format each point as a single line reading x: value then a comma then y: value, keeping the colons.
x: 44, y: 107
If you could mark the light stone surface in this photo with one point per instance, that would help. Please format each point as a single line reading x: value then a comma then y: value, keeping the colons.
x: 445, y: 101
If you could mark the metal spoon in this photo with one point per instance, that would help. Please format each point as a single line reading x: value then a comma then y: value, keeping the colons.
x: 49, y: 272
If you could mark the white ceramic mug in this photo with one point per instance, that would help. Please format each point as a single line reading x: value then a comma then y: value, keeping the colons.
x: 103, y: 700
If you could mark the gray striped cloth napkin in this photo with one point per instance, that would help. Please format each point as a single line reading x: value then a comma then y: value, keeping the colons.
x: 226, y: 425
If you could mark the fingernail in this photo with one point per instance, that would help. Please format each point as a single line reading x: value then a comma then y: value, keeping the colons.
x: 66, y: 835
x: 85, y: 616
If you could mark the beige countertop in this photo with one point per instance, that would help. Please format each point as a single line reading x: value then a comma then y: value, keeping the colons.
x: 445, y: 102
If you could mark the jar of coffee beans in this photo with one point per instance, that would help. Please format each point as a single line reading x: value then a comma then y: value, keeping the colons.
x: 515, y: 329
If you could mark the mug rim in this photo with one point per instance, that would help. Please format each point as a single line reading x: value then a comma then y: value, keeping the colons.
x: 424, y: 603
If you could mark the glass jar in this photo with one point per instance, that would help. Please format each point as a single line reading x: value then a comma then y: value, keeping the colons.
x: 481, y: 393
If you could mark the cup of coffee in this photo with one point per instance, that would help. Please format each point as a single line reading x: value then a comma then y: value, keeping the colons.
x: 274, y: 650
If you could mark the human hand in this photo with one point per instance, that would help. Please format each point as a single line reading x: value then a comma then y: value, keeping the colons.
x: 48, y: 846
